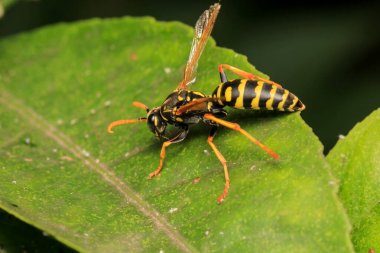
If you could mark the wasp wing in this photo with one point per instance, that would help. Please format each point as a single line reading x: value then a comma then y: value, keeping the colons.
x: 203, y: 29
x: 196, y: 105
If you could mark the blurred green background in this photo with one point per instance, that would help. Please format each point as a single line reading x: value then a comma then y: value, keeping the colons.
x: 326, y: 52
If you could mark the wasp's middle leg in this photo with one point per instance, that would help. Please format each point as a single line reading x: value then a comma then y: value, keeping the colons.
x: 236, y: 127
x: 222, y: 161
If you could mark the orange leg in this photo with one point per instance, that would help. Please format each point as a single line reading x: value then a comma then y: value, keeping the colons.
x: 162, y: 157
x: 222, y: 161
x: 244, y: 74
x: 180, y: 137
x: 236, y: 127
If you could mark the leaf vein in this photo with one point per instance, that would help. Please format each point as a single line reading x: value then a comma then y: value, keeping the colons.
x: 38, y: 122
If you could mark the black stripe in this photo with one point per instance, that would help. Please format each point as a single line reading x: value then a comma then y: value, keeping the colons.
x: 265, y: 95
x: 195, y: 96
x: 234, y: 92
x: 277, y: 97
x: 223, y: 92
x: 249, y: 93
x: 214, y: 93
x: 298, y: 105
x: 289, y: 101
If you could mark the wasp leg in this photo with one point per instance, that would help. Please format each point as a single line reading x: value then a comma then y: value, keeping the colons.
x: 222, y: 161
x: 236, y: 127
x: 180, y: 137
x: 223, y: 77
x: 122, y: 122
x: 243, y: 74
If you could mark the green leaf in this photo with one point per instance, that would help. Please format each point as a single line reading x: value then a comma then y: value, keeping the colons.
x: 62, y: 172
x: 4, y: 4
x: 355, y: 162
x: 7, y: 3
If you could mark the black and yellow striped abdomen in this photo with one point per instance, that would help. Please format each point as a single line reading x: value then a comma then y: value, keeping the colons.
x: 256, y: 95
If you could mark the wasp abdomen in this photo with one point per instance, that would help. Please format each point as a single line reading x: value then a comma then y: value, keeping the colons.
x: 256, y: 95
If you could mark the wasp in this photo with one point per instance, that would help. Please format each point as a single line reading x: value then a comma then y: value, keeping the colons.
x: 184, y: 107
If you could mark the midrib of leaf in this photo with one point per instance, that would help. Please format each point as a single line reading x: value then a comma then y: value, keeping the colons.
x: 39, y: 123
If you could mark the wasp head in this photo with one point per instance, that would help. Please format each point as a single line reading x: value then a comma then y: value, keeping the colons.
x: 156, y: 123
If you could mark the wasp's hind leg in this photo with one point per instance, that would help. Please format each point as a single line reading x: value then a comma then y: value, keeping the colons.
x: 243, y: 74
x: 236, y: 127
x: 222, y: 161
x: 223, y: 77
x: 178, y: 138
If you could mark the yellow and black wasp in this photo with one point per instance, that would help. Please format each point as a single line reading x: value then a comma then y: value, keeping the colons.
x: 184, y: 107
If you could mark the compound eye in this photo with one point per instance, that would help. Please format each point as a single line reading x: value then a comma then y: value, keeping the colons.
x: 150, y: 121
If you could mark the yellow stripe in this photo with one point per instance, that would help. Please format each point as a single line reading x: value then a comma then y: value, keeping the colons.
x: 209, y: 106
x: 218, y: 93
x: 228, y: 94
x: 239, y: 101
x: 295, y: 100
x: 198, y: 93
x: 284, y: 97
x: 255, y: 101
x: 269, y: 103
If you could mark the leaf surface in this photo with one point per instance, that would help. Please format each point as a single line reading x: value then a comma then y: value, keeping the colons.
x: 60, y: 170
x: 355, y: 162
x: 5, y: 4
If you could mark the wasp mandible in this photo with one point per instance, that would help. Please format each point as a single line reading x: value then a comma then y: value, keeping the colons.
x: 184, y: 107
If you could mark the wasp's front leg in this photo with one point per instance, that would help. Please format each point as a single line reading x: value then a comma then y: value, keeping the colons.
x: 178, y: 138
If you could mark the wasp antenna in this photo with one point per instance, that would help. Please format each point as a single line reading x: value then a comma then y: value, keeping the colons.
x: 122, y: 122
x: 140, y: 105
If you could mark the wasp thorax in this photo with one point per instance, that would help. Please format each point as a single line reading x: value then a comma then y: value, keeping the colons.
x: 156, y: 123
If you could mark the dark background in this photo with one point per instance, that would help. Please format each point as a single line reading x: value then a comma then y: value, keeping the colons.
x: 326, y: 52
